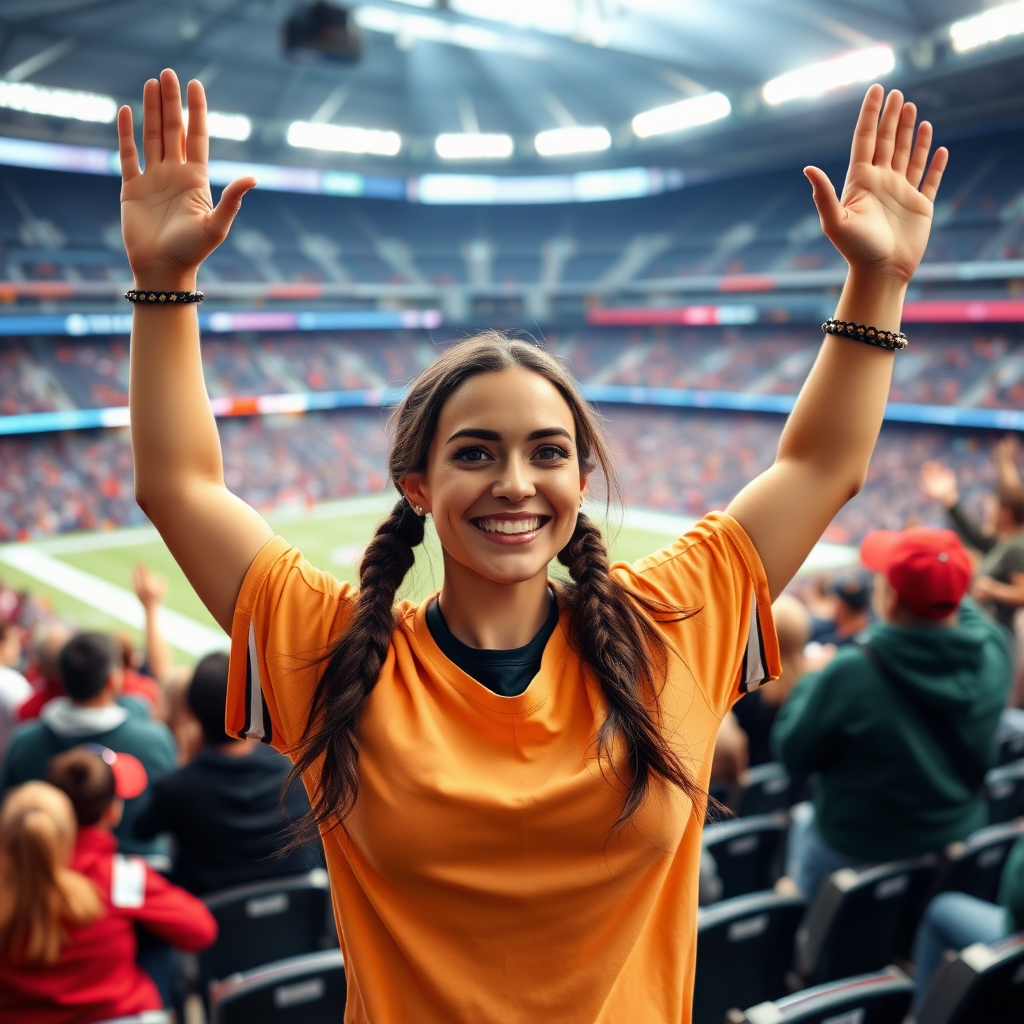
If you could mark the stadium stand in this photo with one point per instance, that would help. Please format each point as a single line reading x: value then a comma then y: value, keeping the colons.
x: 975, y: 865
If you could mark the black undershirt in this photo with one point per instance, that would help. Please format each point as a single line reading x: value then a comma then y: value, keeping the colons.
x: 506, y: 673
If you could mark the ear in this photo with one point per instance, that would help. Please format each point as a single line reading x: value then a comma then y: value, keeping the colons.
x: 584, y: 484
x: 115, y: 681
x: 416, y: 492
x: 112, y: 816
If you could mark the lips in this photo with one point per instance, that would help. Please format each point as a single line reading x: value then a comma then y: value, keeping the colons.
x: 508, y: 525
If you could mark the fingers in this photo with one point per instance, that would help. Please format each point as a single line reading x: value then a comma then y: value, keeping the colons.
x: 934, y: 176
x: 230, y: 203
x: 904, y: 138
x: 867, y: 123
x: 197, y: 141
x: 126, y: 145
x: 830, y: 210
x: 174, y: 131
x: 885, y: 137
x: 152, y: 123
x: 919, y: 157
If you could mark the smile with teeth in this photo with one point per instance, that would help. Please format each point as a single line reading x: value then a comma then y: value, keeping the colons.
x: 528, y: 524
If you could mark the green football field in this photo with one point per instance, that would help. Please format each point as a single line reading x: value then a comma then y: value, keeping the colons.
x: 87, y: 577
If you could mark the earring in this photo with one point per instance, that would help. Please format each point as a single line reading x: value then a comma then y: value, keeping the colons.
x: 582, y: 502
x: 419, y: 510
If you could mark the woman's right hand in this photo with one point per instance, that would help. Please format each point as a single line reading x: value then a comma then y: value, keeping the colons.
x: 168, y: 219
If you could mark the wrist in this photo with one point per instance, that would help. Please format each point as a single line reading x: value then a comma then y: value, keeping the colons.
x: 165, y: 279
x: 872, y: 298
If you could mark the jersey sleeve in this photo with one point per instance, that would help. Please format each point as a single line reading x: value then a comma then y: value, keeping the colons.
x: 287, y: 615
x: 713, y: 578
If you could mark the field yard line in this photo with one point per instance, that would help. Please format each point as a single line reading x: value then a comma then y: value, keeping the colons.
x: 182, y: 632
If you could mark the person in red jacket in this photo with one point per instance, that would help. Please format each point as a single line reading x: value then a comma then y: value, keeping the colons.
x: 69, y: 903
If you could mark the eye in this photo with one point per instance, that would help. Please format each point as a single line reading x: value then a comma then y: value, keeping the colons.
x: 551, y: 453
x: 472, y: 453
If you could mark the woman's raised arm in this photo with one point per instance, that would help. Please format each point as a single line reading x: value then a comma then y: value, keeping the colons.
x: 170, y: 226
x: 881, y: 226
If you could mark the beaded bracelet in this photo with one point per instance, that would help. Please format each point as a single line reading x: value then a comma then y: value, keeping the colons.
x: 894, y: 340
x: 134, y: 295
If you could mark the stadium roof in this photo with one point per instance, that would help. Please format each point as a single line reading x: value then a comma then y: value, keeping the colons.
x: 516, y: 68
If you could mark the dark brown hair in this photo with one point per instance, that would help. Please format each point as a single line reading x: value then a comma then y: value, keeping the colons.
x: 609, y: 629
x: 87, y: 780
x: 1011, y: 497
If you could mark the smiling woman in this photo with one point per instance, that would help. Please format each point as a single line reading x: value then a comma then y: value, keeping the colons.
x: 509, y: 777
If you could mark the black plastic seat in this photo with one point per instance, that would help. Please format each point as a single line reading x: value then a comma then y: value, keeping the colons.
x: 975, y: 865
x: 1011, y: 746
x: 310, y: 989
x: 1005, y: 789
x: 763, y: 789
x: 879, y: 998
x: 748, y: 852
x: 266, y: 922
x: 754, y: 931
x: 863, y: 919
x: 981, y: 985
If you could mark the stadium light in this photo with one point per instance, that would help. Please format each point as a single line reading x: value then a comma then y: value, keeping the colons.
x: 988, y: 27
x: 675, y: 117
x: 343, y: 138
x: 37, y: 99
x: 577, y: 139
x: 816, y: 79
x: 473, y: 146
x: 223, y: 126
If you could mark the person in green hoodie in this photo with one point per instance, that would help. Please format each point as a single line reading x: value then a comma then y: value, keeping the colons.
x: 898, y: 730
x: 954, y: 920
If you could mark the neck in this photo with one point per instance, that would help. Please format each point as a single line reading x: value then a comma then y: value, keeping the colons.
x: 492, y: 616
x: 101, y: 700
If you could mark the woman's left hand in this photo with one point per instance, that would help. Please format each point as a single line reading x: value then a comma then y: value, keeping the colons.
x: 881, y: 222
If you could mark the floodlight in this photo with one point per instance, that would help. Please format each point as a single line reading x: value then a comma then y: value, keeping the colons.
x: 223, y: 126
x: 343, y: 138
x: 988, y: 27
x: 37, y: 99
x: 815, y: 79
x: 473, y: 146
x: 712, y: 106
x: 577, y: 139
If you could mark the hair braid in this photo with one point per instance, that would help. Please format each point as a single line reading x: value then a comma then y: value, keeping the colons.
x: 351, y: 671
x: 604, y: 622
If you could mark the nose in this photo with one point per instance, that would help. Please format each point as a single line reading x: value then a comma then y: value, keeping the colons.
x: 514, y: 483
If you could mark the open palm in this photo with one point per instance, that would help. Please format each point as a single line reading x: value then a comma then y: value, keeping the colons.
x: 168, y: 219
x: 882, y: 221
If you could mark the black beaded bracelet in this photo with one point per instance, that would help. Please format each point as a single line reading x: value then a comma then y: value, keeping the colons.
x: 134, y: 295
x: 893, y: 340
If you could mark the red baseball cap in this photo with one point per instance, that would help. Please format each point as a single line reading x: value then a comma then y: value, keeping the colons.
x: 928, y: 568
x: 130, y: 778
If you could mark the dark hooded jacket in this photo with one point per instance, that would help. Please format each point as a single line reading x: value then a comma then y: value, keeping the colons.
x: 883, y: 787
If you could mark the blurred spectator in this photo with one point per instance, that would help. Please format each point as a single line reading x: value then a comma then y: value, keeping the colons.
x: 14, y: 687
x: 731, y: 758
x: 224, y: 808
x: 150, y: 590
x: 48, y: 640
x: 94, y: 711
x: 756, y: 712
x: 851, y: 608
x: 902, y: 727
x: 88, y: 971
x: 954, y: 920
x: 999, y: 586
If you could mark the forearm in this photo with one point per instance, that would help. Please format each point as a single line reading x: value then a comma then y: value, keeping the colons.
x: 158, y: 651
x: 970, y: 529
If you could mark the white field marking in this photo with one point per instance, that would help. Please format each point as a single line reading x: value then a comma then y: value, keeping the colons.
x: 348, y: 555
x: 186, y: 634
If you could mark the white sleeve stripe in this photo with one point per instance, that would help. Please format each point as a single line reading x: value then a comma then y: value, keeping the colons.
x: 755, y: 672
x: 255, y: 730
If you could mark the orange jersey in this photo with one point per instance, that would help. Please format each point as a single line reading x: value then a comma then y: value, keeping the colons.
x: 479, y: 878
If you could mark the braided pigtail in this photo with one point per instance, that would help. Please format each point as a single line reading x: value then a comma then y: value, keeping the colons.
x: 351, y: 671
x: 613, y: 633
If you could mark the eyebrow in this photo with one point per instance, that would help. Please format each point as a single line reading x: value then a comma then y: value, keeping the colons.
x: 492, y: 435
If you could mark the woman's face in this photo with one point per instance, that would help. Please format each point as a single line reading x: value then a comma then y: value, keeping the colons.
x: 503, y: 481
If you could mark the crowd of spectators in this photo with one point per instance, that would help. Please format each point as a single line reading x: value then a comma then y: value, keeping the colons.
x: 947, y: 365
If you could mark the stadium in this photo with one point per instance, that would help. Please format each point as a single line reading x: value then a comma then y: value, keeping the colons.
x: 619, y: 184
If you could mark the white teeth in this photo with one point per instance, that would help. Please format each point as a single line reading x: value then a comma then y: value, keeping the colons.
x: 510, y: 525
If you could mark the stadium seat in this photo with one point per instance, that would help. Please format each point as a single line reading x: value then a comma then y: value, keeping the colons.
x: 981, y: 985
x: 863, y: 919
x: 266, y: 922
x: 761, y: 790
x: 1005, y: 789
x: 748, y: 851
x: 1011, y: 748
x: 310, y: 989
x: 975, y: 865
x: 881, y: 998
x: 755, y: 931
